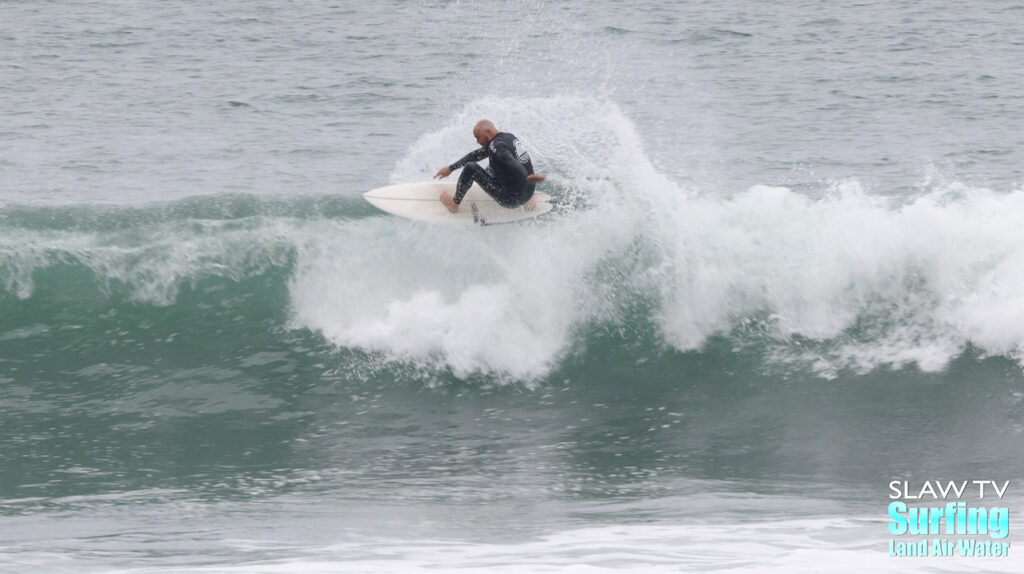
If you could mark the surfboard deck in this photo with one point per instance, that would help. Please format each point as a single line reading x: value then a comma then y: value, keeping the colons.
x: 419, y: 201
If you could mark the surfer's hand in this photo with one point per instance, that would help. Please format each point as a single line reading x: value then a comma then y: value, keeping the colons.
x: 443, y: 172
x: 449, y: 202
x: 535, y: 177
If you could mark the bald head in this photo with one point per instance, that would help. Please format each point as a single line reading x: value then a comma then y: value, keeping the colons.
x: 484, y: 131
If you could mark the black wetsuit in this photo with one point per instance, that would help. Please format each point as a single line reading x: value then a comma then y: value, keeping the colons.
x: 505, y: 179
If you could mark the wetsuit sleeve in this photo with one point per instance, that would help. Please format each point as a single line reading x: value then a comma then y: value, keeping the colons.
x: 475, y: 155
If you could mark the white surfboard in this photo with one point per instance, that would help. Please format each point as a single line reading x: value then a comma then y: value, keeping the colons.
x: 420, y: 201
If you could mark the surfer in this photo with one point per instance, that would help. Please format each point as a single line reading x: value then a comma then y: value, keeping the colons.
x: 509, y: 179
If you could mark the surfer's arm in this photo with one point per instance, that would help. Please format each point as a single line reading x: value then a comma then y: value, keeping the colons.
x: 475, y: 155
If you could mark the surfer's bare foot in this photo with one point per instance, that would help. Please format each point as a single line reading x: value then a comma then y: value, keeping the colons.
x: 531, y: 204
x: 446, y: 199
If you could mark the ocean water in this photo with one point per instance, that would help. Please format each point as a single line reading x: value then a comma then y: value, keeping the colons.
x: 786, y: 269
